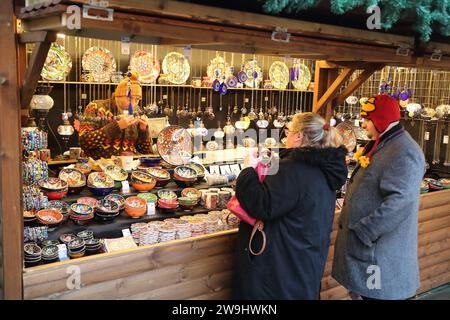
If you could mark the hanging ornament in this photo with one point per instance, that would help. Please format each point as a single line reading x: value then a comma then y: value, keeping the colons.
x: 242, y: 75
x: 223, y: 89
x: 216, y: 85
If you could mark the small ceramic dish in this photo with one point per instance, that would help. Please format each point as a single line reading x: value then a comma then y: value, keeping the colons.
x: 117, y: 198
x: 49, y: 217
x: 191, y: 193
x: 167, y: 194
x: 67, y: 237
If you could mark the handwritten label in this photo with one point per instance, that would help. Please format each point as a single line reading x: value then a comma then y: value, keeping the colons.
x: 225, y: 170
x: 427, y: 136
x: 125, y: 187
x: 62, y: 252
x: 266, y: 98
x: 125, y: 46
x: 126, y: 233
x: 235, y: 169
x: 203, y: 99
x: 151, y: 208
x: 445, y: 140
x: 214, y: 170
x: 246, y: 100
x: 83, y: 96
x: 165, y: 96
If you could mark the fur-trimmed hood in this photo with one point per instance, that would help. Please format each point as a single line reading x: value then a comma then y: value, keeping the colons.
x: 330, y: 160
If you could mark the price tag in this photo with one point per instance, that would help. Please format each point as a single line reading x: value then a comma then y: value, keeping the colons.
x: 151, y: 208
x: 62, y: 252
x: 165, y: 96
x: 445, y: 140
x: 427, y: 136
x: 125, y: 187
x: 203, y: 99
x: 357, y: 123
x: 125, y: 46
x: 83, y: 96
x: 225, y: 170
x: 126, y: 233
x: 235, y: 169
x: 246, y: 100
x: 187, y: 52
x: 266, y: 98
x: 214, y: 170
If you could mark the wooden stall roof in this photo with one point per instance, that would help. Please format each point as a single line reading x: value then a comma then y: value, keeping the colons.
x: 181, y: 23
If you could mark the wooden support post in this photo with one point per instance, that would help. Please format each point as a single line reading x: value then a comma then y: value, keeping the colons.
x: 324, y: 77
x: 11, y: 224
x: 35, y: 65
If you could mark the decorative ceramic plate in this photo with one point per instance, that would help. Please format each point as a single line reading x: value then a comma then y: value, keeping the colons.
x: 348, y: 135
x: 279, y: 74
x: 99, y: 62
x: 254, y: 74
x: 100, y: 180
x: 73, y: 177
x: 176, y: 67
x: 352, y: 100
x: 300, y: 76
x: 219, y: 69
x: 174, y: 145
x: 57, y: 65
x: 115, y: 172
x: 145, y: 65
x: 212, y: 146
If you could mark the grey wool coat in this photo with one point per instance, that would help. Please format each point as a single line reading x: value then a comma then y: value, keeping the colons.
x: 376, y: 246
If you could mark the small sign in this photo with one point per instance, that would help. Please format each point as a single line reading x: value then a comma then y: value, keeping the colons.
x: 83, y: 96
x: 126, y: 233
x: 151, y: 208
x: 235, y: 169
x: 357, y: 123
x: 214, y: 170
x: 246, y: 100
x: 225, y: 170
x: 125, y: 45
x: 266, y: 98
x: 187, y: 52
x: 125, y: 187
x: 445, y: 140
x: 165, y: 97
x: 62, y: 252
x: 427, y: 136
x: 203, y: 99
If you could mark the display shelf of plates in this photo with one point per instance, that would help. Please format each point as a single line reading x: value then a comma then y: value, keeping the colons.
x: 168, y: 86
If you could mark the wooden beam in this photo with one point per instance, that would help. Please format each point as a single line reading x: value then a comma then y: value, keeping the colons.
x: 355, y: 84
x: 333, y: 89
x: 37, y: 36
x: 11, y: 224
x: 33, y: 73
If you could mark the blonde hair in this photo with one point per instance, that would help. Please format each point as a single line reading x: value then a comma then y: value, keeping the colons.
x: 312, y: 125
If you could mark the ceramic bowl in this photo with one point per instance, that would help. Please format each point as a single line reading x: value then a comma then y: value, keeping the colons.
x: 50, y: 252
x: 74, y: 177
x: 106, y: 207
x: 117, y: 198
x: 47, y: 243
x: 76, y: 244
x: 199, y: 169
x: 67, y: 237
x: 187, y: 200
x: 142, y: 177
x: 116, y: 172
x: 159, y: 174
x: 77, y: 255
x: 445, y: 182
x: 106, y: 217
x: 185, y: 173
x: 55, y: 195
x: 167, y: 194
x: 49, y: 217
x: 166, y: 203
x: 135, y: 207
x: 60, y: 206
x: 184, y: 183
x: 32, y: 250
x: 150, y: 161
x: 85, y: 234
x: 81, y: 209
x: 143, y: 186
x: 101, y: 191
x: 88, y: 200
x: 83, y: 167
x: 53, y: 185
x: 149, y: 197
x: 191, y: 193
x: 100, y: 180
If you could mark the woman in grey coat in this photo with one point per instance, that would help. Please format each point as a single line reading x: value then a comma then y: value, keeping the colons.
x: 376, y: 246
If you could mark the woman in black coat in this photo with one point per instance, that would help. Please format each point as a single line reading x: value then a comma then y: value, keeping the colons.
x: 297, y: 206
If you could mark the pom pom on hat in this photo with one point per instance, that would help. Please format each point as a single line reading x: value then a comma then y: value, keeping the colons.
x: 122, y: 87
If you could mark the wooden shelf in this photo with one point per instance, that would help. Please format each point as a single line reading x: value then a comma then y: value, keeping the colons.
x: 166, y: 85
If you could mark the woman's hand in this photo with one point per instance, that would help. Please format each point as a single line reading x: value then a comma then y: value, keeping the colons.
x: 126, y: 121
x: 251, y: 159
x: 143, y: 124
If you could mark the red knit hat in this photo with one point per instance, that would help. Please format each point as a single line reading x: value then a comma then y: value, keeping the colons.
x: 382, y: 110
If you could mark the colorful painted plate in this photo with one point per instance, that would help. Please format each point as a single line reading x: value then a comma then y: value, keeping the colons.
x: 348, y: 135
x: 174, y: 145
x: 176, y: 67
x: 279, y: 74
x: 57, y: 65
x: 254, y: 74
x: 73, y: 177
x: 99, y: 62
x: 218, y: 69
x: 300, y: 76
x: 146, y: 66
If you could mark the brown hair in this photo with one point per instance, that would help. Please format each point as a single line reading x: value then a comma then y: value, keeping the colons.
x: 316, y: 132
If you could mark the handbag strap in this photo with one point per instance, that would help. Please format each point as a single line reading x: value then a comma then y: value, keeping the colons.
x: 259, y: 226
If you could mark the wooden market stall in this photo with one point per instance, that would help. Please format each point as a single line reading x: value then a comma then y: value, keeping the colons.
x: 196, y: 267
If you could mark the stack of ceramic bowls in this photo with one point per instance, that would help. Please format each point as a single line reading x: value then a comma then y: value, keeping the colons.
x: 149, y: 197
x: 50, y: 218
x: 107, y: 210
x: 136, y: 231
x: 32, y: 254
x: 191, y: 193
x: 424, y: 188
x: 50, y: 254
x: 167, y: 233
x: 150, y: 161
x: 89, y: 201
x: 156, y: 224
x: 167, y: 201
x: 183, y: 228
x: 199, y: 169
x: 135, y: 207
x: 60, y: 206
x: 77, y: 248
x: 93, y: 246
x: 142, y: 181
x: 85, y: 235
x: 224, y: 197
x: 67, y: 237
x: 117, y: 174
x: 197, y: 227
x: 211, y: 224
x: 117, y: 198
x: 29, y: 218
x: 46, y: 243
x: 434, y: 185
x: 445, y: 183
x: 100, y: 184
x: 187, y: 204
x: 184, y: 176
x: 161, y: 176
x: 54, y: 188
x: 76, y: 180
x: 148, y: 235
x: 81, y: 213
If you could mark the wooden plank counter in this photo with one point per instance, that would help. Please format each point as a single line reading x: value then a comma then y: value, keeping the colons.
x: 201, y: 267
